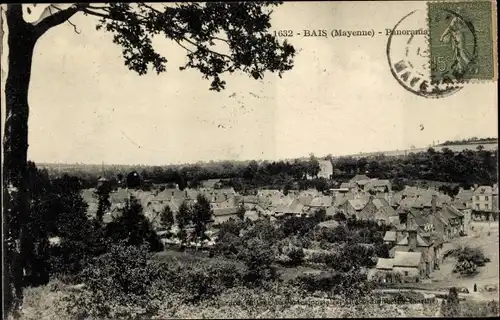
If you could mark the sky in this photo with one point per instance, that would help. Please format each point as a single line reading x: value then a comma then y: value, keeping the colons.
x: 340, y: 98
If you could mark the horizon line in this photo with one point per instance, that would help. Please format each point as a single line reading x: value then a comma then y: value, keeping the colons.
x: 360, y: 154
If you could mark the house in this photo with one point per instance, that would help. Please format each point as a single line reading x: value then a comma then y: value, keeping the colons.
x: 211, y: 183
x: 384, y: 211
x: 378, y: 186
x: 485, y: 203
x: 362, y: 208
x: 465, y: 197
x: 168, y: 194
x: 359, y: 177
x: 294, y: 208
x: 223, y: 214
x: 403, y: 267
x: 410, y: 265
x: 217, y: 195
x: 320, y: 202
x: 325, y: 169
x: 482, y: 199
x: 270, y: 199
x: 410, y: 237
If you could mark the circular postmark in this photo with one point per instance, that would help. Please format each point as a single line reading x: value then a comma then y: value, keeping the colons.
x: 435, y: 61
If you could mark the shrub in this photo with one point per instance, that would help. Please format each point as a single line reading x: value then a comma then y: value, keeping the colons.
x: 133, y: 227
x: 475, y: 255
x: 296, y: 256
x: 119, y: 284
x: 351, y: 285
x: 451, y: 306
x: 339, y: 216
x: 128, y: 283
x: 258, y: 257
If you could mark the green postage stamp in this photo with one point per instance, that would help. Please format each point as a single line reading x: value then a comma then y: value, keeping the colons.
x: 462, y: 40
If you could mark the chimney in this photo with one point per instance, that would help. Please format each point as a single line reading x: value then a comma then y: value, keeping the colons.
x: 412, y: 239
x: 433, y: 203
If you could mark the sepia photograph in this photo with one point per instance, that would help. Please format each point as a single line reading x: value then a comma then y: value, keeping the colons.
x: 249, y: 159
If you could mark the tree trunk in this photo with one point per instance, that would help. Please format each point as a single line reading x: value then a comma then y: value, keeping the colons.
x: 21, y: 42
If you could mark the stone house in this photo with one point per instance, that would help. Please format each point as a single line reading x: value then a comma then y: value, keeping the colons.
x: 410, y: 265
x: 482, y: 199
x: 325, y: 170
x: 405, y: 267
x: 362, y: 208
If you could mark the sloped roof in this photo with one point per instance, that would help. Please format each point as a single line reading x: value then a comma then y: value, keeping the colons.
x: 347, y: 185
x: 459, y: 204
x: 483, y: 190
x: 394, y: 220
x: 88, y: 195
x: 305, y: 199
x: 390, y: 236
x: 190, y: 193
x: 119, y: 196
x: 225, y: 211
x: 453, y: 210
x: 269, y: 192
x: 341, y: 199
x: 358, y: 204
x: 294, y: 207
x: 321, y: 201
x: 250, y: 199
x: 380, y: 203
x: 363, y: 182
x: 407, y: 259
x: 385, y: 213
x: 418, y: 218
x: 385, y: 264
x: 252, y: 215
x: 210, y: 183
x: 420, y: 241
x: 359, y: 177
x: 329, y: 224
x: 465, y: 195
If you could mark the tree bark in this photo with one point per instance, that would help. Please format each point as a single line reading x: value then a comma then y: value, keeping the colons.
x: 21, y: 42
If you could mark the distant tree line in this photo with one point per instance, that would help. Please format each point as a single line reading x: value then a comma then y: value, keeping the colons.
x: 467, y: 141
x: 463, y: 168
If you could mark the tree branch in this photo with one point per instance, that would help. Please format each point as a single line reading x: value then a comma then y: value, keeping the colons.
x: 97, y: 14
x: 57, y: 18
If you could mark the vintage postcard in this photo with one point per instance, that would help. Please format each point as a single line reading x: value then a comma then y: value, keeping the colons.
x: 250, y: 159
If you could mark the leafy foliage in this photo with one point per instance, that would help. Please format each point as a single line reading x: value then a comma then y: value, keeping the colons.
x: 201, y: 215
x: 296, y: 256
x: 463, y: 168
x: 133, y: 227
x: 258, y: 257
x: 451, y: 306
x: 241, y: 28
x: 167, y: 218
x: 474, y: 255
x: 59, y: 212
x: 129, y: 283
x: 352, y: 285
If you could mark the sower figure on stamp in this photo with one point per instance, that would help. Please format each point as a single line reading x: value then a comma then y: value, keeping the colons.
x: 454, y: 34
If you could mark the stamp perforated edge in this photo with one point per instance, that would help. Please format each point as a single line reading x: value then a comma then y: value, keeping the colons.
x: 494, y: 32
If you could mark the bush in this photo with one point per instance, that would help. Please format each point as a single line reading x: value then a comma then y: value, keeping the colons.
x: 351, y: 285
x: 296, y: 256
x: 133, y: 227
x: 119, y: 284
x: 475, y: 255
x: 258, y: 257
x: 129, y: 283
x: 322, y: 257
